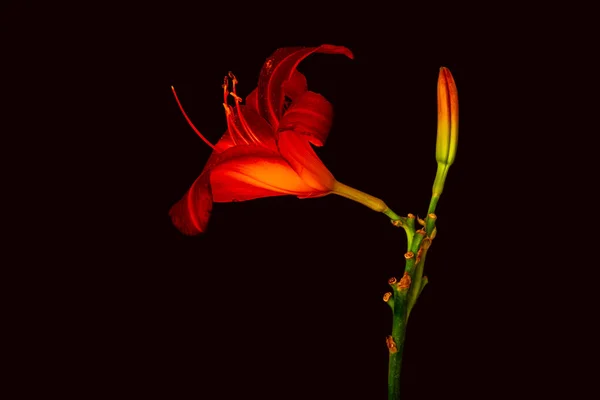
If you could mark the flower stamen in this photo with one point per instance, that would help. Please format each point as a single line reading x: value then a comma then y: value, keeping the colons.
x: 234, y: 80
x: 238, y: 101
x: 234, y: 132
x: 190, y: 122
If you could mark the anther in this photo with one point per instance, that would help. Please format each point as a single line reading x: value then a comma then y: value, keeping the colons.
x: 233, y: 79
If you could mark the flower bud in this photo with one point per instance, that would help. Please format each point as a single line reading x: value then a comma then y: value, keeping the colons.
x: 447, y: 133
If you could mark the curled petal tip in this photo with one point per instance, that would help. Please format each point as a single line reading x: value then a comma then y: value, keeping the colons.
x: 348, y: 53
x: 333, y: 49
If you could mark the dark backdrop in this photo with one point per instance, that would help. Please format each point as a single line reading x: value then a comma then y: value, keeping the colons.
x: 282, y: 298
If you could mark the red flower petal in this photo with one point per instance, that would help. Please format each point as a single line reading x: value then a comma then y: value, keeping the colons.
x: 298, y: 152
x: 311, y: 115
x: 252, y: 100
x: 277, y: 70
x: 251, y: 172
x: 254, y: 126
x: 191, y: 214
x: 237, y: 174
x: 264, y: 168
x: 295, y: 86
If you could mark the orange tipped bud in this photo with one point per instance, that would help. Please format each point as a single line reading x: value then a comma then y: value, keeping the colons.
x: 447, y: 134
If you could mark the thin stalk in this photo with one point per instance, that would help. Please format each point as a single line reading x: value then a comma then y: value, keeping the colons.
x: 430, y: 223
x: 417, y: 284
x: 433, y: 204
x: 365, y: 199
x: 410, y: 231
x: 397, y: 349
x: 438, y: 185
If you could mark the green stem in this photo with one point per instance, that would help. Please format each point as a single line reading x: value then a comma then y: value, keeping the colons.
x: 405, y: 294
x: 404, y: 298
x: 409, y: 227
x: 392, y: 215
x: 398, y: 336
x: 417, y: 284
x: 365, y: 199
x: 410, y: 287
x: 433, y: 203
x: 430, y: 224
x: 438, y: 185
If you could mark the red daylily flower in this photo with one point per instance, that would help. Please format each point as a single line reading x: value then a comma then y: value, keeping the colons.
x: 266, y: 150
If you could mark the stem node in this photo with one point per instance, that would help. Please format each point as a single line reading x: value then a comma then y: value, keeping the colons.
x: 405, y: 282
x: 391, y: 345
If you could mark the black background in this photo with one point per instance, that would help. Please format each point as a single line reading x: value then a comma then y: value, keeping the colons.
x: 282, y: 298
